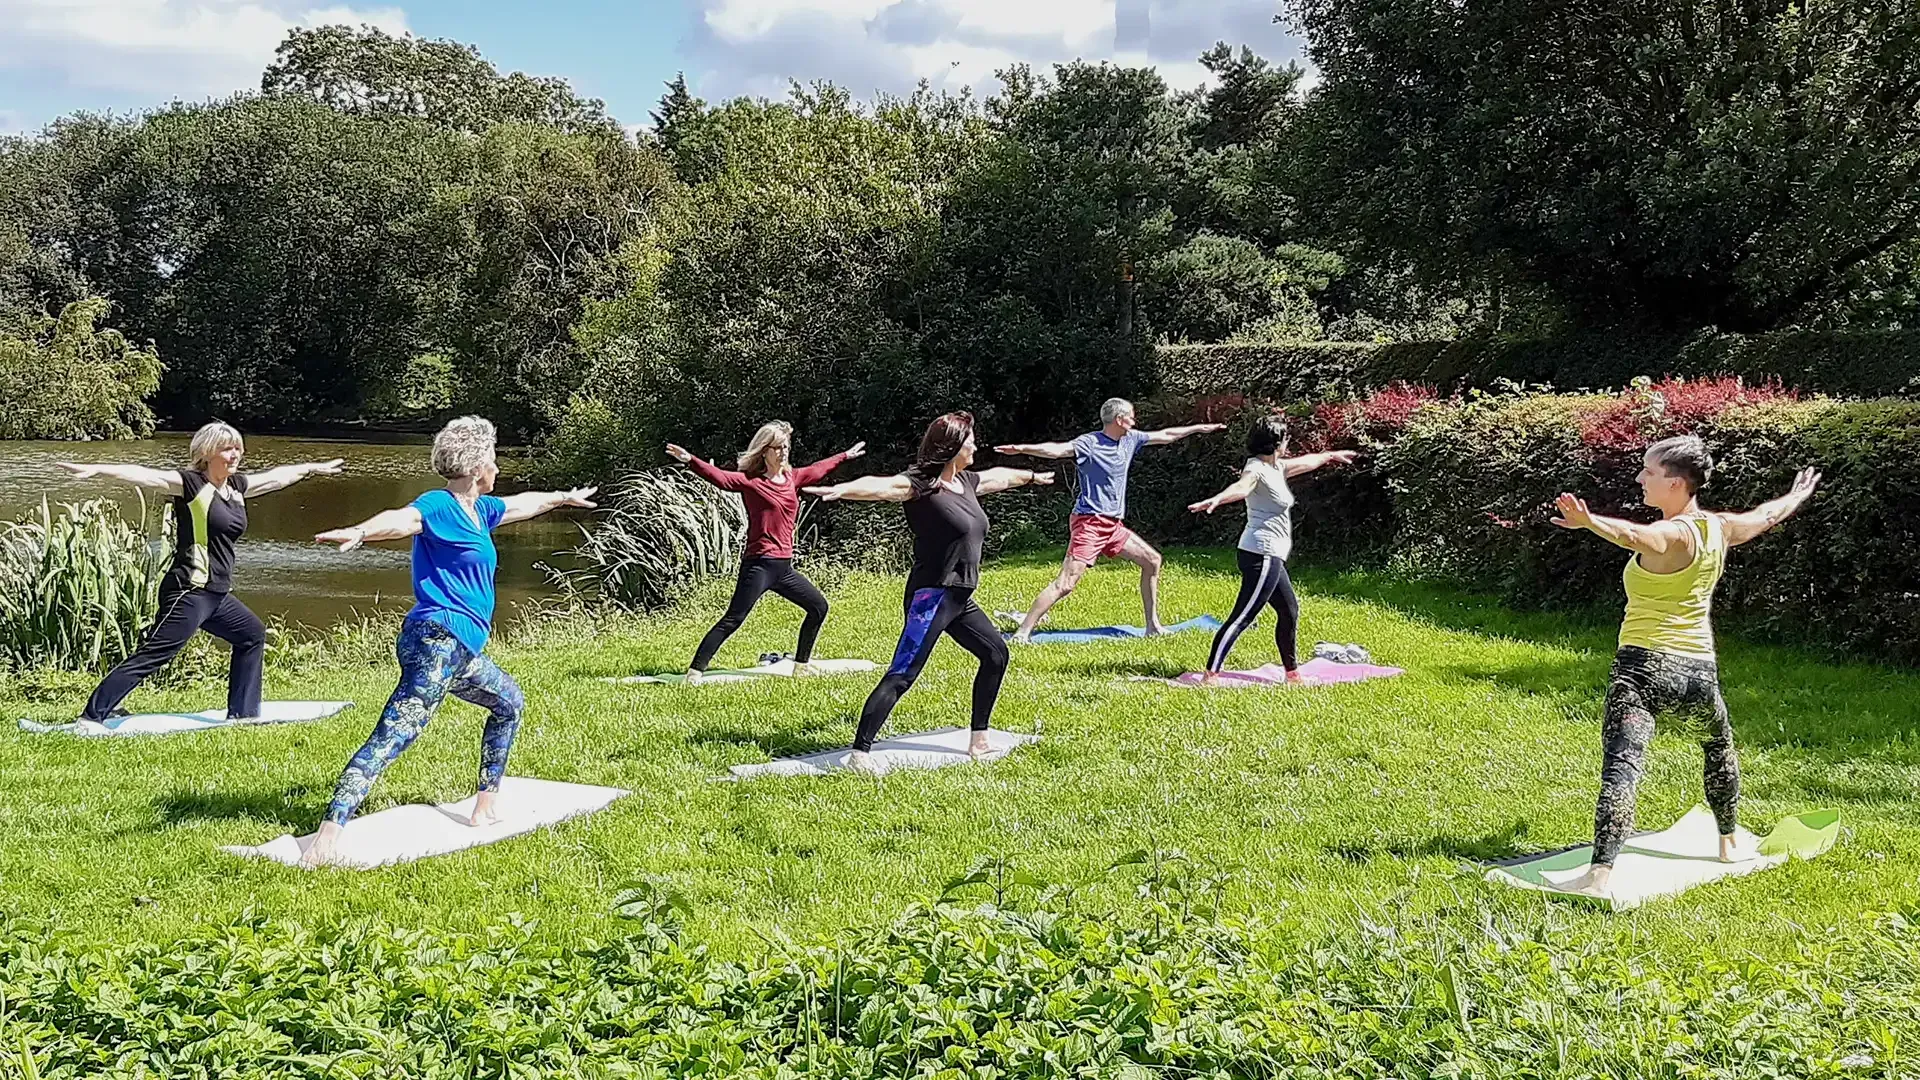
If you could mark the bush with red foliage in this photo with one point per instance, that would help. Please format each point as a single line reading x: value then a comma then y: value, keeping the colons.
x: 1380, y: 415
x: 1648, y: 411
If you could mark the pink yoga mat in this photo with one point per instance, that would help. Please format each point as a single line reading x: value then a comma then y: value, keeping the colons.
x: 1318, y: 671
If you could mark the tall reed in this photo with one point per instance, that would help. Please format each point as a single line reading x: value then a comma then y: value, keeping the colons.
x: 663, y: 534
x: 78, y: 586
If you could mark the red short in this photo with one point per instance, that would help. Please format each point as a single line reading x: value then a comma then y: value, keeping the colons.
x: 1089, y: 536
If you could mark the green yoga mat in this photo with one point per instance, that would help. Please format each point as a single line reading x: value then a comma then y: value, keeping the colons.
x: 1676, y: 859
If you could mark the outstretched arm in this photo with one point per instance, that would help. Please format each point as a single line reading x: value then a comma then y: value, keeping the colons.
x: 1658, y: 539
x: 1745, y: 526
x: 385, y: 525
x: 1306, y: 463
x: 1232, y: 493
x: 713, y: 474
x: 1038, y: 449
x: 992, y: 480
x: 1175, y: 434
x: 818, y: 471
x: 866, y: 489
x: 286, y: 476
x: 137, y: 475
x: 531, y: 504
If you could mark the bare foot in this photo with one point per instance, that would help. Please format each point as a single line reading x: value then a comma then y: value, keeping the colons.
x: 84, y: 726
x: 1154, y: 629
x: 694, y: 675
x: 1021, y: 637
x: 1727, y: 851
x: 980, y: 746
x: 804, y: 670
x: 1595, y: 883
x: 320, y: 850
x: 1294, y: 678
x: 1211, y: 678
x: 484, y: 812
x: 861, y: 761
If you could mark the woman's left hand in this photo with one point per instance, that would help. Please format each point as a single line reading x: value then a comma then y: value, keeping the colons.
x: 1204, y: 506
x: 858, y: 449
x: 1043, y: 478
x: 348, y: 538
x: 580, y: 496
x: 1343, y: 457
x: 327, y: 468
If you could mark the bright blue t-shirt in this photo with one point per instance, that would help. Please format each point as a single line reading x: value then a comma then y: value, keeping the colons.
x: 1103, y: 465
x: 454, y: 563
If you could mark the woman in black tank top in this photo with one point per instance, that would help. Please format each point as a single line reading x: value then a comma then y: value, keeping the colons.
x: 209, y: 517
x: 942, y: 497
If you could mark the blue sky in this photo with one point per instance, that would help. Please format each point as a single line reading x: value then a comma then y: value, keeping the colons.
x: 57, y: 56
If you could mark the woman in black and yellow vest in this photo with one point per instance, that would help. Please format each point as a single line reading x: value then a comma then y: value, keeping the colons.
x: 209, y: 514
x: 1666, y: 666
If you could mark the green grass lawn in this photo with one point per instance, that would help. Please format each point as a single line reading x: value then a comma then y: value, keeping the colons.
x: 1325, y: 803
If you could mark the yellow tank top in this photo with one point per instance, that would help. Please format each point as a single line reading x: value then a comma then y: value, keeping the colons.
x: 1673, y: 613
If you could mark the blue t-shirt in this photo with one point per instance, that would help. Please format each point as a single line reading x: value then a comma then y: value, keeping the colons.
x: 1103, y: 465
x: 453, y: 565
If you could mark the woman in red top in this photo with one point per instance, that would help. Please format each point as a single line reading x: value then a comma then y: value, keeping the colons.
x: 771, y: 489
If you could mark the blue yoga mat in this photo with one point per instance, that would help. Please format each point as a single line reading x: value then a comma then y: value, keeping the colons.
x: 1111, y: 633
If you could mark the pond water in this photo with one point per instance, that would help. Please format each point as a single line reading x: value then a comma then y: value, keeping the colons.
x: 278, y: 569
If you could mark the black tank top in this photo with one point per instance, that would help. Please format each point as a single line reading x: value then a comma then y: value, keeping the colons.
x: 948, y: 528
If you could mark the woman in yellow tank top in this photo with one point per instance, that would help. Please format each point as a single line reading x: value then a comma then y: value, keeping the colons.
x: 1666, y: 665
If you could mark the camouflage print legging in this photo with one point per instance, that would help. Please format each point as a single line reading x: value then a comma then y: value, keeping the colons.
x: 1647, y: 685
x: 433, y: 664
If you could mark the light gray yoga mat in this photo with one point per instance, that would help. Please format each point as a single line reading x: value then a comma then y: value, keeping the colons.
x: 1676, y: 859
x: 403, y: 834
x: 926, y: 750
x: 271, y: 712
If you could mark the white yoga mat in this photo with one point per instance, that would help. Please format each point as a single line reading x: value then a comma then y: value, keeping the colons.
x: 1675, y: 859
x: 415, y: 831
x: 271, y: 712
x: 926, y: 750
x: 779, y: 670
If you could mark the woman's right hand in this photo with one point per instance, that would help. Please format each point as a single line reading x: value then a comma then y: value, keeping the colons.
x: 679, y: 453
x: 1204, y: 506
x: 348, y: 538
x: 80, y: 472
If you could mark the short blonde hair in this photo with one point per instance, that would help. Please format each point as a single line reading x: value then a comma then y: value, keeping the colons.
x: 210, y: 440
x: 463, y: 447
x: 754, y: 461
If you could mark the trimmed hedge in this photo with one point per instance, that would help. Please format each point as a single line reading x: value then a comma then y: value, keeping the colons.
x: 1852, y: 365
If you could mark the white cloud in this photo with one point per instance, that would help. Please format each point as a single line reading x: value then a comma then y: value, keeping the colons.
x: 171, y: 48
x: 757, y: 46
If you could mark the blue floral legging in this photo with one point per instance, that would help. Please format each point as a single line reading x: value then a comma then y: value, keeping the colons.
x: 433, y: 664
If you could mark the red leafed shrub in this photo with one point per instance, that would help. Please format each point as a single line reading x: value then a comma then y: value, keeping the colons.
x: 1381, y: 414
x: 1649, y: 411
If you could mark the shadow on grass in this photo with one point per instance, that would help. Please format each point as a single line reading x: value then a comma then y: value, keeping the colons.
x: 807, y: 738
x: 287, y: 807
x: 1121, y: 668
x: 1505, y: 843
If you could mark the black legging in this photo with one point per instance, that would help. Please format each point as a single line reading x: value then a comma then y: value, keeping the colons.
x: 1263, y: 582
x: 760, y: 575
x: 1645, y: 687
x: 929, y: 613
x: 181, y: 614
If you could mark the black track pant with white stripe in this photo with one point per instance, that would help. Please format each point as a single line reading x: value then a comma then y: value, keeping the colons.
x: 1263, y: 583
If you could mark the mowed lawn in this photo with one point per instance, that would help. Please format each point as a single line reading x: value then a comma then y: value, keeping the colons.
x: 1324, y: 804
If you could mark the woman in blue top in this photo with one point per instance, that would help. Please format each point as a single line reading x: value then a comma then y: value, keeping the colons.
x: 441, y: 641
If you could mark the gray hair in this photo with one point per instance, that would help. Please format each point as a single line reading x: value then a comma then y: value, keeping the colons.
x: 1112, y: 408
x: 463, y: 447
x: 210, y: 440
x: 1686, y: 457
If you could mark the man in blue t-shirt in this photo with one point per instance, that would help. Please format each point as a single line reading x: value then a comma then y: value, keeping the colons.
x: 1098, y: 525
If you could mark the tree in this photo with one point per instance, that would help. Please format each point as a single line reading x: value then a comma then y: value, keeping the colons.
x: 67, y: 378
x: 368, y: 72
x: 679, y: 111
x: 1683, y: 163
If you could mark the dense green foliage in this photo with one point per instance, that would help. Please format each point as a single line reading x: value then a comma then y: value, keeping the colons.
x: 1016, y: 987
x: 1853, y: 364
x: 1685, y: 164
x: 66, y: 378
